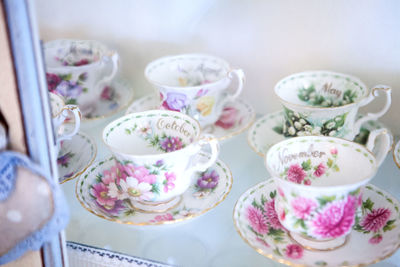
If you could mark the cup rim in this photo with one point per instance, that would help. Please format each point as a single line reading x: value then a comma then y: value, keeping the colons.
x: 322, y: 187
x: 162, y: 155
x: 283, y: 101
x: 51, y: 94
x: 176, y: 87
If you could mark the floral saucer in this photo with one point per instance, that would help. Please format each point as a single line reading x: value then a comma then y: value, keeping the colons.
x: 267, y: 131
x: 375, y: 236
x: 396, y: 154
x: 208, y: 190
x: 75, y: 156
x: 236, y: 117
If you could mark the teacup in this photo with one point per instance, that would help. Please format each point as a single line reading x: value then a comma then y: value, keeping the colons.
x: 194, y: 84
x: 319, y: 181
x: 157, y: 153
x: 79, y: 70
x: 326, y: 103
x: 60, y: 113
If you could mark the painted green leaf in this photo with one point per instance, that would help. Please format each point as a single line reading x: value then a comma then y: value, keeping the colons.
x: 278, y: 129
x: 368, y: 204
x: 325, y: 199
x: 329, y: 163
x: 272, y: 194
x: 127, y: 131
x: 306, y: 165
x: 389, y: 225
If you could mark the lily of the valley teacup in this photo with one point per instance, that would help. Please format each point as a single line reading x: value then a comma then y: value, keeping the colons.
x: 319, y: 182
x: 158, y: 153
x: 79, y: 70
x: 60, y: 113
x: 194, y: 84
x: 326, y: 103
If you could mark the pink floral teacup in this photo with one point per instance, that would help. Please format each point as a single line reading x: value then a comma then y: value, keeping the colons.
x: 319, y: 183
x: 79, y: 70
x: 158, y: 153
x: 195, y: 84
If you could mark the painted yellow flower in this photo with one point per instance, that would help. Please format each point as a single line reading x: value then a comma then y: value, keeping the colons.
x: 205, y: 105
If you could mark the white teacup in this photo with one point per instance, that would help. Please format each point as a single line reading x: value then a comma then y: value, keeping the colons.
x: 60, y: 113
x: 326, y: 103
x: 157, y: 150
x: 79, y: 70
x: 194, y: 84
x: 319, y: 182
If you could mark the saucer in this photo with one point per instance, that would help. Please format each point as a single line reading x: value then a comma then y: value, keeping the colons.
x: 75, y: 156
x: 267, y: 131
x: 194, y: 202
x: 236, y: 117
x: 396, y: 154
x: 364, y: 246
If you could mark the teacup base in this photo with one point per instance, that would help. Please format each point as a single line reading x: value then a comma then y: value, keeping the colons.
x: 152, y: 207
x: 319, y: 245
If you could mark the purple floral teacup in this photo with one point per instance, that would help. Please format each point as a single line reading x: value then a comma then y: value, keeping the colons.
x: 78, y: 70
x: 158, y: 153
x: 195, y: 84
x: 319, y: 184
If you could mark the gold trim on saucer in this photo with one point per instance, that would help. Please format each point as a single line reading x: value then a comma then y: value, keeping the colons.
x: 157, y: 204
x: 394, y: 147
x: 346, y: 240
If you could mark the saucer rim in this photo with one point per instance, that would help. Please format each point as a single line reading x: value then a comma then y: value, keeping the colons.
x: 186, y: 218
x: 396, y: 159
x: 221, y: 138
x: 286, y: 261
x: 263, y: 155
x: 88, y: 164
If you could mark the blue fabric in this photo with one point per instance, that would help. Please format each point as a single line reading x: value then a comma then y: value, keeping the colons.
x: 8, y: 163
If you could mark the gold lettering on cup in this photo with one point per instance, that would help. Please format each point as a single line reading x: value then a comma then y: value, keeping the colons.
x: 285, y: 158
x: 180, y: 128
x: 327, y: 88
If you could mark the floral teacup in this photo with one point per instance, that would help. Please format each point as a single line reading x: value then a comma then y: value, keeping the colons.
x: 79, y: 70
x: 326, y: 103
x: 194, y: 84
x: 60, y: 112
x: 158, y: 151
x: 319, y: 182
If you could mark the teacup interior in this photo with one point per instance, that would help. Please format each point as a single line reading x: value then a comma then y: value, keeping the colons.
x: 187, y: 70
x: 56, y: 104
x: 321, y: 89
x: 320, y: 161
x: 72, y: 53
x: 151, y: 133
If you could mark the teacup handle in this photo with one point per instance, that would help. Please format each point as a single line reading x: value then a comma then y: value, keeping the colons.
x: 374, y: 116
x: 77, y: 118
x: 385, y: 145
x: 240, y: 76
x: 214, y: 145
x: 115, y: 61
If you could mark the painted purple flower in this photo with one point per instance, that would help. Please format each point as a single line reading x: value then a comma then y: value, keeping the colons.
x: 296, y: 174
x: 228, y: 118
x: 69, y: 89
x: 169, y: 181
x: 336, y: 219
x: 302, y: 207
x: 320, y: 170
x: 271, y: 215
x: 115, y: 210
x: 52, y: 81
x: 100, y: 192
x: 376, y: 239
x: 170, y: 144
x: 209, y: 180
x: 159, y: 163
x: 175, y: 101
x: 376, y: 219
x: 294, y: 251
x: 64, y: 159
x: 201, y: 93
x: 257, y: 220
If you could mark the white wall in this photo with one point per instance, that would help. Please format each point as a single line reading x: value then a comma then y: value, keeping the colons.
x: 268, y: 39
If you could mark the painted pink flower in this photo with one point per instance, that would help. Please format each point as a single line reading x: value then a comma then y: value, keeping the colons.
x: 100, y: 192
x: 162, y: 218
x: 271, y: 215
x: 302, y: 207
x: 257, y: 221
x: 336, y: 219
x: 107, y: 93
x: 294, y: 251
x: 307, y: 182
x: 140, y: 173
x: 262, y: 241
x: 114, y: 210
x: 81, y: 62
x: 228, y: 118
x: 111, y: 175
x: 53, y: 80
x: 296, y: 174
x: 376, y: 239
x: 320, y: 170
x: 281, y: 192
x: 175, y: 101
x: 169, y: 181
x: 282, y: 215
x: 334, y: 151
x: 376, y: 219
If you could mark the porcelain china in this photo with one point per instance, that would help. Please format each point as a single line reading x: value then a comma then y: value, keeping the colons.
x: 157, y: 150
x: 75, y: 156
x: 268, y: 130
x: 197, y: 85
x: 236, y: 116
x: 396, y: 154
x: 79, y: 70
x: 206, y: 191
x: 326, y: 103
x: 374, y: 237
